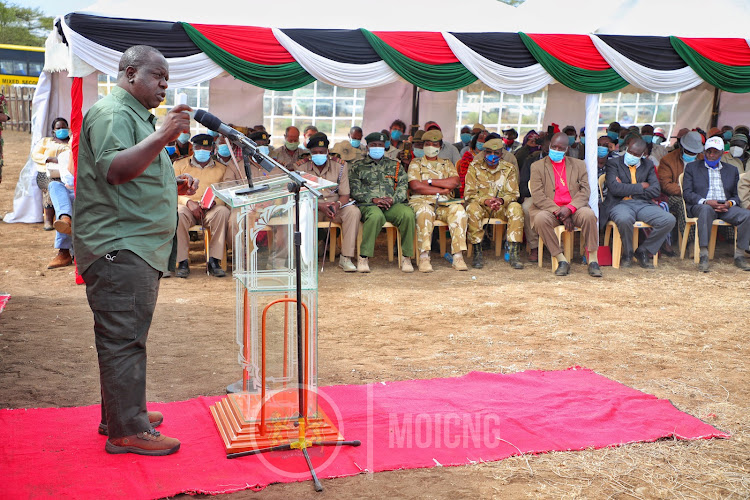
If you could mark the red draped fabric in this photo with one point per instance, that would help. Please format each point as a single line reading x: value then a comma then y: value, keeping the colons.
x: 727, y: 51
x: 249, y: 43
x: 575, y: 50
x: 76, y: 121
x: 428, y: 47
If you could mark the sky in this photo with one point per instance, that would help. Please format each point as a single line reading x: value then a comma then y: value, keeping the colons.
x: 55, y: 8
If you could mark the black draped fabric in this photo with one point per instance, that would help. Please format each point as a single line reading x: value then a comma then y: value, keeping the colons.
x: 344, y: 46
x: 119, y: 34
x: 502, y: 48
x: 654, y: 52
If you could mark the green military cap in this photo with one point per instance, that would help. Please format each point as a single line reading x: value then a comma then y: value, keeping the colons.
x: 319, y: 140
x: 418, y: 135
x: 202, y: 140
x: 494, y: 144
x: 258, y: 136
x: 375, y: 136
x: 433, y: 135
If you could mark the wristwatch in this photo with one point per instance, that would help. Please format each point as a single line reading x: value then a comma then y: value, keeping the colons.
x: 429, y: 181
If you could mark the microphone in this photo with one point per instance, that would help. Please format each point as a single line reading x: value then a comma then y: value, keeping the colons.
x: 212, y: 122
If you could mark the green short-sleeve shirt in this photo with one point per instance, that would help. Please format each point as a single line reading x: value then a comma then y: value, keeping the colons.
x: 139, y: 215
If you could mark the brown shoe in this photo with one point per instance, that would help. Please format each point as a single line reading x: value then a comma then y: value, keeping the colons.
x: 424, y: 265
x: 155, y: 418
x: 458, y: 263
x: 62, y: 259
x: 62, y: 225
x: 149, y: 442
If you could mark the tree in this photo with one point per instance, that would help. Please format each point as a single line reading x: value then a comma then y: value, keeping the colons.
x: 23, y: 25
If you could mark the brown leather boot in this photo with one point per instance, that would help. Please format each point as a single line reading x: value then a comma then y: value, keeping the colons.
x: 149, y: 442
x: 62, y: 225
x: 155, y: 418
x: 62, y: 259
x: 49, y: 216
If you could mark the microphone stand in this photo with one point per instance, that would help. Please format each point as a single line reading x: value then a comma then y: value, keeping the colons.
x: 297, y: 182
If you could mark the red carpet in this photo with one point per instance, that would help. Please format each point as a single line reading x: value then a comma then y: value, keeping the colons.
x: 56, y: 452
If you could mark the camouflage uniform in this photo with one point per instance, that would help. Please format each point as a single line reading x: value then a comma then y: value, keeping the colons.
x: 422, y: 169
x: 484, y: 182
x: 384, y: 178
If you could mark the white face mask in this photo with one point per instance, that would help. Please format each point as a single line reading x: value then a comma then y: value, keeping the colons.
x: 735, y: 151
x: 431, y: 151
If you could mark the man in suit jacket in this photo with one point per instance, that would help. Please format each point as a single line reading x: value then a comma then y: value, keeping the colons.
x: 710, y: 191
x: 560, y: 195
x: 632, y: 184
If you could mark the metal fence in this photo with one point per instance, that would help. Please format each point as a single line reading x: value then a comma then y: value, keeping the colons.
x: 18, y: 103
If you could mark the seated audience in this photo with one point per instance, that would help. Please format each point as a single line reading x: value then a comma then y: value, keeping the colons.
x: 737, y: 154
x: 288, y: 154
x: 44, y: 154
x: 671, y: 166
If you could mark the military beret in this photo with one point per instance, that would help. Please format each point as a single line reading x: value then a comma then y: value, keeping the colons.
x: 433, y: 136
x: 319, y: 140
x: 494, y: 144
x: 375, y: 136
x: 418, y: 135
x: 202, y: 140
x: 258, y: 136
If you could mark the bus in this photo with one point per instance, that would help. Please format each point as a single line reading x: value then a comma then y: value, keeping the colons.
x: 20, y: 64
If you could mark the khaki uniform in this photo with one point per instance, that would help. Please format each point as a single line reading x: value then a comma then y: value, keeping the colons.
x: 216, y: 218
x: 742, y: 166
x: 288, y: 158
x: 483, y: 183
x: 336, y: 170
x: 422, y: 169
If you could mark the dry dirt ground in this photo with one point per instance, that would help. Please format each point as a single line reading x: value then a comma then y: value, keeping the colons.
x: 673, y: 333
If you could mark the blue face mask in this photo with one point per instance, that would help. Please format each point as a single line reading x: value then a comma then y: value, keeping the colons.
x: 583, y: 140
x: 620, y: 142
x: 355, y: 142
x: 688, y: 158
x: 631, y: 160
x: 320, y: 159
x: 62, y: 133
x: 419, y: 153
x: 602, y: 151
x: 480, y: 146
x: 571, y: 140
x: 223, y: 150
x: 727, y: 135
x: 263, y: 149
x: 395, y: 134
x: 657, y: 139
x: 712, y: 163
x: 612, y: 135
x: 202, y: 155
x: 492, y: 160
x: 556, y: 156
x: 170, y: 150
x: 183, y: 138
x: 465, y: 138
x: 377, y: 153
x: 648, y: 138
x: 212, y: 133
x: 387, y: 144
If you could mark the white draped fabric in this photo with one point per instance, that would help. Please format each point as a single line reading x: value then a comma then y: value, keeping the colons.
x: 353, y: 76
x: 663, y: 82
x: 515, y: 81
x: 183, y: 71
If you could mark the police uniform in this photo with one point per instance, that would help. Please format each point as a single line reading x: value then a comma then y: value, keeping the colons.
x: 215, y: 218
x: 287, y: 157
x: 334, y: 170
x: 382, y: 178
x: 484, y: 182
x: 425, y: 206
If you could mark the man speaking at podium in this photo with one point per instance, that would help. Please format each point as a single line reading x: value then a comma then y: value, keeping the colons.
x: 123, y: 230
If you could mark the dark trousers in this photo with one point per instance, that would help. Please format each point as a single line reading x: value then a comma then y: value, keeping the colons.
x: 626, y: 212
x: 122, y: 290
x: 736, y: 216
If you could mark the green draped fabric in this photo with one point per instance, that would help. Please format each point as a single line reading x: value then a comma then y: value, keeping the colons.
x: 434, y: 77
x: 581, y: 80
x: 287, y: 76
x: 728, y: 78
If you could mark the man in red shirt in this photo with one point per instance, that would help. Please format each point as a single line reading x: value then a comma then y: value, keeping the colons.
x: 560, y: 195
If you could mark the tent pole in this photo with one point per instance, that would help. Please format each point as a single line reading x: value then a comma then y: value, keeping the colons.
x: 414, y: 110
x: 715, y: 109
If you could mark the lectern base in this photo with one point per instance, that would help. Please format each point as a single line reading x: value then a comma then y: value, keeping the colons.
x: 238, y: 419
